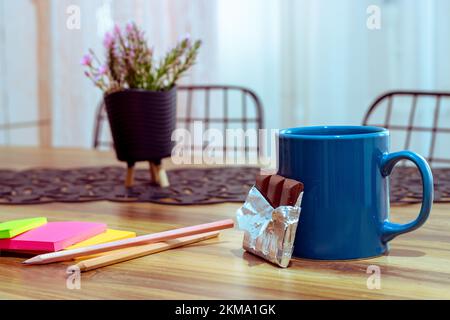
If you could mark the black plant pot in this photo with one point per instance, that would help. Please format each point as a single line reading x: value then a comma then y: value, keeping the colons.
x: 142, y: 123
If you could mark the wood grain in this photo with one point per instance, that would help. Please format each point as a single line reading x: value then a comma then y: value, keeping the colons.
x: 416, y: 267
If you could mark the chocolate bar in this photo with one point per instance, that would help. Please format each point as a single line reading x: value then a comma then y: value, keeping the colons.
x: 269, y: 218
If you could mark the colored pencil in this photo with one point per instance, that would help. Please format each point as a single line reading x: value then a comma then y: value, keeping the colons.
x: 150, y: 238
x: 126, y: 254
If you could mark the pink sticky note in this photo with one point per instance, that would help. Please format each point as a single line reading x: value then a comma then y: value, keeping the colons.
x: 53, y: 236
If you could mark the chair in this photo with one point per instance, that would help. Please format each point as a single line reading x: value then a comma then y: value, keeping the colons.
x: 435, y: 105
x: 215, y: 113
x: 187, y: 116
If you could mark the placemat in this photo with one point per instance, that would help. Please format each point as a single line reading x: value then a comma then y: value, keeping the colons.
x: 188, y: 186
x: 406, y: 185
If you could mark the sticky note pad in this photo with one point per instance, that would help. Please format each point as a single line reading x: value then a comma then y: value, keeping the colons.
x: 12, y: 228
x: 107, y: 236
x: 53, y: 236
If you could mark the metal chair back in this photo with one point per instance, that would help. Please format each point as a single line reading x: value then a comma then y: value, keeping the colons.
x: 438, y: 104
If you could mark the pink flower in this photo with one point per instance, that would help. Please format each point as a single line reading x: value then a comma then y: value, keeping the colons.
x: 102, y: 70
x: 86, y: 60
x: 108, y: 41
x: 129, y: 27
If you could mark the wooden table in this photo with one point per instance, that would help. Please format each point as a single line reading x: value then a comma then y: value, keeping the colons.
x: 418, y: 265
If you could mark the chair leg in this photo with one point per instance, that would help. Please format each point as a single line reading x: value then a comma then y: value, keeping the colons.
x: 129, y: 180
x: 159, y: 175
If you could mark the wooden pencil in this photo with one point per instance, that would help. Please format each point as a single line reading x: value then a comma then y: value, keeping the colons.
x: 145, y: 239
x: 126, y: 254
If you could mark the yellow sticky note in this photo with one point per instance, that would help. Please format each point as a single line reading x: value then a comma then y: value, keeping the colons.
x: 107, y: 236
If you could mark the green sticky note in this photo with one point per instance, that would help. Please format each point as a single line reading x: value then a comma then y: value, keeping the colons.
x: 10, y: 229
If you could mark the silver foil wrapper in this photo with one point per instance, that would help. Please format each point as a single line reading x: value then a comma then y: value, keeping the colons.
x: 269, y: 233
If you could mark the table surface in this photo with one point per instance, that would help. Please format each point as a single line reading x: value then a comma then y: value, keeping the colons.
x: 418, y: 265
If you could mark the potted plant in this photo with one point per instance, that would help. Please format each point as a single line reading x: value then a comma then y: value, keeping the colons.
x: 140, y: 95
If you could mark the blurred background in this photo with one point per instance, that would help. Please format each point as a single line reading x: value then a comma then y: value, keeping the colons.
x: 310, y: 61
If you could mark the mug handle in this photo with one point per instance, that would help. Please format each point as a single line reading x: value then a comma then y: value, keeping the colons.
x: 391, y: 230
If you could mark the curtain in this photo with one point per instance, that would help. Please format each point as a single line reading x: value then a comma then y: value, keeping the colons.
x: 311, y: 61
x: 73, y: 98
x: 337, y: 66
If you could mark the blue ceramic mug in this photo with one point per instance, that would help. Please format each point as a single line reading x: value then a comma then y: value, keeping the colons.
x: 345, y: 207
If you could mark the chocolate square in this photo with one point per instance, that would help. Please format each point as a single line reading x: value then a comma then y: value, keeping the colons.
x: 291, y: 192
x: 275, y: 189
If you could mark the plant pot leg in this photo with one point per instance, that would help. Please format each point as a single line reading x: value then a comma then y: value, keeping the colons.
x: 159, y: 175
x: 153, y: 173
x: 129, y: 180
x: 163, y: 179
